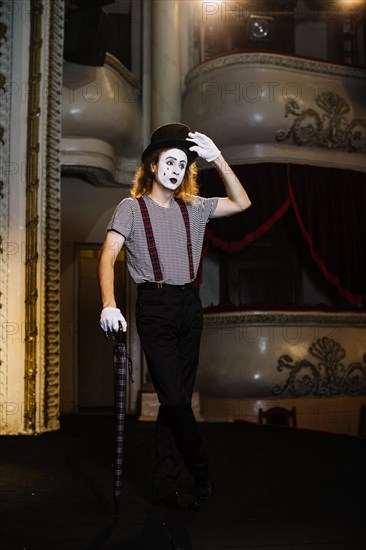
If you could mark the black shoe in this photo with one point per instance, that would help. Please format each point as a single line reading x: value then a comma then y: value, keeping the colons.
x: 205, y: 492
x: 178, y: 501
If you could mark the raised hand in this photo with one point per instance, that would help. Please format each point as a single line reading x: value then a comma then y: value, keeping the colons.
x: 205, y: 147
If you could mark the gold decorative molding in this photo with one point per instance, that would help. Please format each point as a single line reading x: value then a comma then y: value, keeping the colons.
x: 32, y: 218
x: 5, y: 78
x: 53, y: 219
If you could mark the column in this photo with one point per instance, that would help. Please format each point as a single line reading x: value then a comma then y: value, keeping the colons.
x: 165, y: 63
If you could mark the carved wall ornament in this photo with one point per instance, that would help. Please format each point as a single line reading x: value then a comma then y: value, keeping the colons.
x: 331, y: 129
x: 329, y: 377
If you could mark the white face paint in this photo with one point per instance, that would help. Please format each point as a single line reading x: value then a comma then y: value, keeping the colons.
x: 172, y: 166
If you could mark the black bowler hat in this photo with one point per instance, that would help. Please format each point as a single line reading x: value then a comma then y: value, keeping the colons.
x: 171, y: 136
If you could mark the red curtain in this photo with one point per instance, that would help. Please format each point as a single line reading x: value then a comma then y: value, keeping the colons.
x: 330, y: 207
x: 266, y: 185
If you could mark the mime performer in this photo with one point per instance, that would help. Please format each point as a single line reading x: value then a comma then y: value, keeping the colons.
x: 162, y: 228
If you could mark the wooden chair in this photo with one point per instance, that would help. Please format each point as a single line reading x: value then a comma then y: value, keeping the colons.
x: 278, y: 416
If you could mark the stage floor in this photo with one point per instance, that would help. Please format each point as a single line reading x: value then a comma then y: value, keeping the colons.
x: 276, y: 489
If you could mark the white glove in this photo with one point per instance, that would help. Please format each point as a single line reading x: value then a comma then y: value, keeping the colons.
x: 109, y: 319
x: 205, y: 147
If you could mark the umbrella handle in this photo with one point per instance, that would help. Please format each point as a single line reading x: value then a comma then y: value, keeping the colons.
x: 120, y: 336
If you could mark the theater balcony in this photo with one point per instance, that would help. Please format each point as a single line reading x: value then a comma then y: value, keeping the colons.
x: 270, y: 111
x: 101, y: 121
x: 269, y: 107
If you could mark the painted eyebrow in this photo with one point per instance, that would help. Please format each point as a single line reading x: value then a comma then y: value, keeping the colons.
x: 182, y: 160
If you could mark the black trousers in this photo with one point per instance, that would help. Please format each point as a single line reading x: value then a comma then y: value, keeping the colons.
x: 169, y: 324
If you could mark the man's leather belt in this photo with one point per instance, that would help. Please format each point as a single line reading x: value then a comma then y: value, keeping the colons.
x: 165, y: 286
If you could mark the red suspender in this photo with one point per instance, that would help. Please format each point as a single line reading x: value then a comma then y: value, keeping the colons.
x: 183, y: 209
x: 151, y: 241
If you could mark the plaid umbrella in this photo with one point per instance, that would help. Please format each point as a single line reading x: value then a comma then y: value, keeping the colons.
x: 121, y: 363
